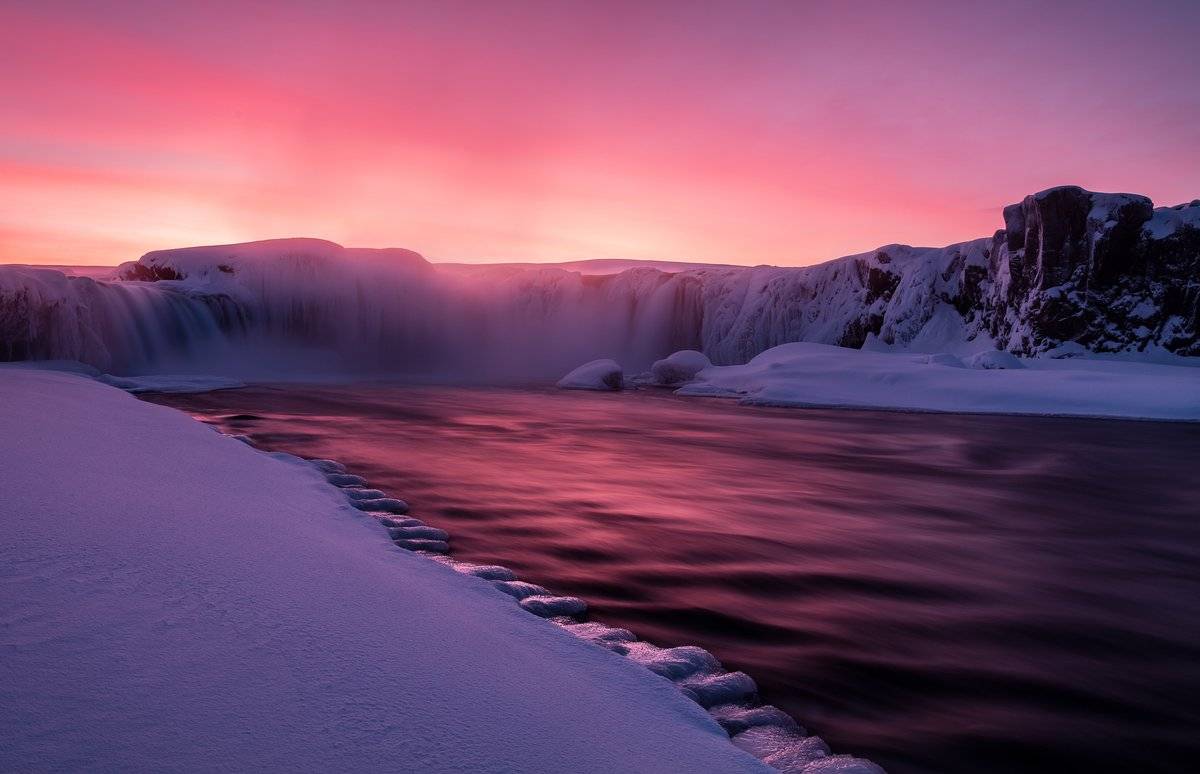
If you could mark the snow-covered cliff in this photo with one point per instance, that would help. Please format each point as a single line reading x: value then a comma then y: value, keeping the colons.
x: 1098, y: 272
x: 1107, y: 271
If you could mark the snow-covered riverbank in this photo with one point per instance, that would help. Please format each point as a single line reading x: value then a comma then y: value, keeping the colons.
x: 175, y: 600
x: 805, y: 374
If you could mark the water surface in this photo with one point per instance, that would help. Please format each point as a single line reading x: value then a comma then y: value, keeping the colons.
x: 939, y: 593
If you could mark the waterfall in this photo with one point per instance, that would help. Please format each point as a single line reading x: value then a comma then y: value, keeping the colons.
x: 121, y: 327
x: 301, y: 306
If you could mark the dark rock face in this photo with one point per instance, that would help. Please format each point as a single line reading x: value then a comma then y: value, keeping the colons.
x: 141, y: 272
x: 1106, y: 271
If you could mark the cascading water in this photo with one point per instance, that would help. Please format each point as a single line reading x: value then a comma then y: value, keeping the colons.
x: 122, y: 327
x: 391, y: 312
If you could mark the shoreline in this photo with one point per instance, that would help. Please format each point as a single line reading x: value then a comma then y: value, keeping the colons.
x: 288, y: 616
x: 730, y: 698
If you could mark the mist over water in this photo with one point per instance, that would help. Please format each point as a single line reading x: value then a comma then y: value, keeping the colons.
x: 939, y: 593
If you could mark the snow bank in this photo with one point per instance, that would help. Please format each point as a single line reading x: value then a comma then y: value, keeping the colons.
x: 679, y: 367
x: 175, y: 600
x: 819, y: 375
x: 596, y: 375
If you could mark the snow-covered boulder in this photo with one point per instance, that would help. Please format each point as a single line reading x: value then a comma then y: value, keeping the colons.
x: 601, y: 374
x: 679, y: 367
x: 992, y: 359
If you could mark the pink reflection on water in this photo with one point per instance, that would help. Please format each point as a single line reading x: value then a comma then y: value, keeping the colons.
x: 937, y: 592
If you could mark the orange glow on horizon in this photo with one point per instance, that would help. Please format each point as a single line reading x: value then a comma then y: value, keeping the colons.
x: 778, y: 133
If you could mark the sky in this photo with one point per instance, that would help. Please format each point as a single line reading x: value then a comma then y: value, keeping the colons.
x: 735, y: 132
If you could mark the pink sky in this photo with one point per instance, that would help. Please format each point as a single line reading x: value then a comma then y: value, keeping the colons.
x: 741, y: 132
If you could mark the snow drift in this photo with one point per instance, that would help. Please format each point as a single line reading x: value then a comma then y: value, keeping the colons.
x: 1102, y: 272
x: 806, y: 374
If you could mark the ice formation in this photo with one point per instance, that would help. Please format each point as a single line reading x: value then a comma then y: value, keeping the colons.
x: 1105, y: 272
x: 679, y: 367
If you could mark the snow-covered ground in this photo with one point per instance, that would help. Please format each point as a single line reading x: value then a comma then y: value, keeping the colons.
x: 175, y: 600
x: 804, y: 374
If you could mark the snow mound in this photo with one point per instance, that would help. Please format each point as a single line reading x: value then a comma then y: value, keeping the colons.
x: 600, y: 634
x: 521, y: 589
x: 993, y: 359
x: 944, y: 359
x: 782, y: 748
x: 710, y: 690
x: 672, y: 663
x: 679, y: 367
x: 552, y: 606
x: 596, y: 375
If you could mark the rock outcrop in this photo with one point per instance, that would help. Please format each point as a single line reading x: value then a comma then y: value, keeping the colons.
x: 1106, y: 271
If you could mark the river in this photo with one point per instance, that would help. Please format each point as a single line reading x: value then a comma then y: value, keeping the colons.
x: 939, y: 593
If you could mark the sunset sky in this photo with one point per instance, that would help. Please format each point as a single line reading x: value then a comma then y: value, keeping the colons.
x: 740, y: 132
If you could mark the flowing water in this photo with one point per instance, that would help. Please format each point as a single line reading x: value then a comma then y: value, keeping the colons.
x: 938, y: 593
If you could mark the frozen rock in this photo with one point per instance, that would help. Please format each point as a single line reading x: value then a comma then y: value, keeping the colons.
x: 994, y: 359
x: 672, y: 663
x: 433, y: 546
x: 596, y: 375
x: 782, y: 748
x: 328, y: 466
x: 521, y: 589
x: 599, y: 633
x: 735, y: 718
x: 727, y: 688
x: 385, y: 504
x: 842, y: 764
x: 400, y: 521
x: 345, y: 479
x: 418, y: 533
x: 552, y: 606
x: 492, y: 572
x: 364, y: 494
x: 680, y: 367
